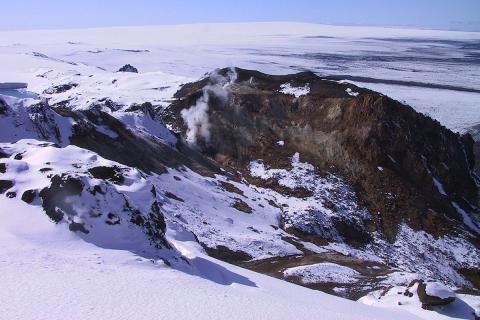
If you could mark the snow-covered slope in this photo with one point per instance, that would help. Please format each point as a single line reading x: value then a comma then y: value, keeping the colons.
x: 109, y: 268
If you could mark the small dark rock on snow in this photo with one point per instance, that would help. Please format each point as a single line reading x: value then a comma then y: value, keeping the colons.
x: 241, y: 205
x: 112, y: 174
x: 29, y: 195
x: 174, y: 197
x: 5, y: 185
x: 128, y: 68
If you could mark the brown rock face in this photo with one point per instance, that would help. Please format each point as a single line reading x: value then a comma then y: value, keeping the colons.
x: 404, y: 166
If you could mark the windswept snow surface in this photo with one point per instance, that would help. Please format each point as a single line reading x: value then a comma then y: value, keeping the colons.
x: 48, y: 272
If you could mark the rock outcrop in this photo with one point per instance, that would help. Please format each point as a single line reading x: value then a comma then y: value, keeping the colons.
x: 404, y: 166
x: 434, y: 294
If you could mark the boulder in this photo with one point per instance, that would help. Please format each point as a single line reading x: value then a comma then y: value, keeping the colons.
x: 434, y: 294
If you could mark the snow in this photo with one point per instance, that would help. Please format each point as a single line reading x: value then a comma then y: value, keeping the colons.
x: 466, y: 218
x: 281, y: 143
x: 439, y: 186
x: 434, y: 264
x: 351, y: 92
x: 454, y: 109
x: 25, y: 121
x: 308, y: 213
x: 323, y: 272
x: 285, y: 178
x: 436, y: 289
x: 39, y: 257
x: 287, y: 88
x: 464, y: 306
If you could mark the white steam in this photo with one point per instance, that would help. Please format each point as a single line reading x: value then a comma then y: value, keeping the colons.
x: 196, y: 117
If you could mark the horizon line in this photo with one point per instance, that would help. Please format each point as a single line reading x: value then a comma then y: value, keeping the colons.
x: 398, y: 27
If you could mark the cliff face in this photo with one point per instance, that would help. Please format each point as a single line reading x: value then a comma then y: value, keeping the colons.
x: 403, y: 166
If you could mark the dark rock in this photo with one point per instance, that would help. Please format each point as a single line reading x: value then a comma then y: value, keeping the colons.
x: 112, y: 219
x: 29, y: 195
x: 74, y: 226
x: 11, y: 194
x: 3, y: 154
x: 128, y: 68
x: 146, y: 108
x: 3, y: 107
x: 230, y: 188
x: 157, y: 226
x: 113, y: 174
x: 54, y: 197
x: 3, y: 167
x: 174, y: 197
x: 353, y: 234
x: 60, y: 88
x: 225, y: 254
x: 5, y: 185
x: 107, y: 103
x: 241, y: 205
x: 472, y: 275
x: 153, y: 191
x: 97, y: 189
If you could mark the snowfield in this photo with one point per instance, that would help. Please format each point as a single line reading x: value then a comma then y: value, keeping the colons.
x: 47, y: 272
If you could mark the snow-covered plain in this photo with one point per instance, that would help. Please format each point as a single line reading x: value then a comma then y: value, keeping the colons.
x: 424, y: 56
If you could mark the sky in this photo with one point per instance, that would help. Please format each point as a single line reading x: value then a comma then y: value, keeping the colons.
x: 64, y: 14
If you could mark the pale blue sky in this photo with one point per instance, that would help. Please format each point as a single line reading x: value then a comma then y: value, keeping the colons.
x: 54, y: 14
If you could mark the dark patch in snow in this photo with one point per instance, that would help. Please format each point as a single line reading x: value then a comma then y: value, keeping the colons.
x: 128, y: 68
